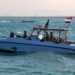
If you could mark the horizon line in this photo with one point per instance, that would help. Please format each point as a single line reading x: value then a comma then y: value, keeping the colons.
x: 38, y: 16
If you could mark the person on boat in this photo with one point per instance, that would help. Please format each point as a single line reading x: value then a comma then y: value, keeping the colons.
x: 58, y: 40
x: 47, y: 36
x: 25, y: 34
x: 12, y: 34
x: 51, y: 36
x: 47, y: 24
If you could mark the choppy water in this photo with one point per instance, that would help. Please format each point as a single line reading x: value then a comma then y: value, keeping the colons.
x: 38, y: 63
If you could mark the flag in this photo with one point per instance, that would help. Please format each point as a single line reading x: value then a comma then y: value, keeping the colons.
x: 68, y: 19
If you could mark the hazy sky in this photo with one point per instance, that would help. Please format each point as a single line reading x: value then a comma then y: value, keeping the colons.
x: 37, y: 7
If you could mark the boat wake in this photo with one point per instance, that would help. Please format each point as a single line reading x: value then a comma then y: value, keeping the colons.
x: 50, y: 56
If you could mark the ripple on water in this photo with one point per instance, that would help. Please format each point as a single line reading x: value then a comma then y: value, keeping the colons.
x: 39, y: 63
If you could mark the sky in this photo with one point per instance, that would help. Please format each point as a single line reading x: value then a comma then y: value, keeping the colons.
x: 37, y: 7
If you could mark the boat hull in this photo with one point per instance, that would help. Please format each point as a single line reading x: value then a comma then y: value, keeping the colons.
x: 28, y: 46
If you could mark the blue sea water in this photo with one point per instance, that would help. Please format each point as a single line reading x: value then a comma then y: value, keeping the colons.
x: 38, y: 63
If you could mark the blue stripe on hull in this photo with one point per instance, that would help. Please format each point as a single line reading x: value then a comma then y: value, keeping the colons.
x: 32, y: 48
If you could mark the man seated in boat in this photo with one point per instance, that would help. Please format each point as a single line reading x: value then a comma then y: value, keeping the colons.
x: 12, y: 34
x: 51, y: 38
x: 58, y: 40
x: 25, y: 34
x: 46, y: 37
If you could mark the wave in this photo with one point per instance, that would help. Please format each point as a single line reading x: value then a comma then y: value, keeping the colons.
x: 5, y: 21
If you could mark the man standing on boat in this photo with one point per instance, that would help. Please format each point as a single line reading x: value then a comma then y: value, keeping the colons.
x: 47, y: 24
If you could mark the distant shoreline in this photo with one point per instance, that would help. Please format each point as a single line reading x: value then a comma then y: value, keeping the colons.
x: 35, y: 16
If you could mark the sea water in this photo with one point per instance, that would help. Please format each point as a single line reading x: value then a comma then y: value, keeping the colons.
x: 37, y: 63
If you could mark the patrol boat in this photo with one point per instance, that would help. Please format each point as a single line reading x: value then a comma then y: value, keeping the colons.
x: 42, y: 38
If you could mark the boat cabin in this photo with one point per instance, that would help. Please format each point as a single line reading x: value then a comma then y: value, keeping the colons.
x: 58, y: 35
